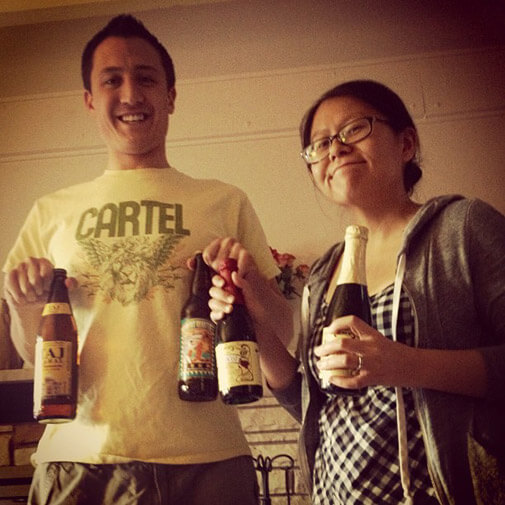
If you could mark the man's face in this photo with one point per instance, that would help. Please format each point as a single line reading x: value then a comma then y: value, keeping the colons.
x: 130, y: 101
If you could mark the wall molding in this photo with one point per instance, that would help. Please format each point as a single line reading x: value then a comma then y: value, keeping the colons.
x: 238, y: 107
x: 287, y: 71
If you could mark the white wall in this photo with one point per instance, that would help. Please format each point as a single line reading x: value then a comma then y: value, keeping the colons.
x: 247, y: 71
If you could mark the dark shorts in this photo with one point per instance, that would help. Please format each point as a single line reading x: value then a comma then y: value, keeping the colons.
x: 229, y: 482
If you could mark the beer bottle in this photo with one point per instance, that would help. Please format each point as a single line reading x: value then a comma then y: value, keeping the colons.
x: 237, y: 355
x: 56, y: 365
x: 349, y: 298
x: 197, y: 362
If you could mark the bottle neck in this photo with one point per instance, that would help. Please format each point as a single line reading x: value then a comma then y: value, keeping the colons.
x: 225, y: 272
x: 201, y: 280
x: 58, y: 291
x: 353, y: 263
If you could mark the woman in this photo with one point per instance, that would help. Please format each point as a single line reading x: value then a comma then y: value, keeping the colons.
x: 430, y: 427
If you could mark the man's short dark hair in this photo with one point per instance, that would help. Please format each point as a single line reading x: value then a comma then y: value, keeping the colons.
x: 125, y: 26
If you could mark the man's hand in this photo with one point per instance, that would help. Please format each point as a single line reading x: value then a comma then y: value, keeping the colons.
x: 29, y: 282
x: 222, y: 302
x: 222, y: 248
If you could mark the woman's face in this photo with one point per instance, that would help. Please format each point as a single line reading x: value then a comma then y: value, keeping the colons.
x: 361, y: 174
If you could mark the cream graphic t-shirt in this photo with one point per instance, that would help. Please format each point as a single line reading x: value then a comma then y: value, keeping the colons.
x: 126, y: 236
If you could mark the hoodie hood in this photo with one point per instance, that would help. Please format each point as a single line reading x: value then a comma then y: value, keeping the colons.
x: 322, y: 267
x: 424, y: 216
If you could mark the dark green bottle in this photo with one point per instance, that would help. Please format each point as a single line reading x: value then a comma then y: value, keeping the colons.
x: 197, y: 361
x: 349, y: 298
x: 237, y: 354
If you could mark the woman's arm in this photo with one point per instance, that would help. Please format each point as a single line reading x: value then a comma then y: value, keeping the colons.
x: 388, y: 363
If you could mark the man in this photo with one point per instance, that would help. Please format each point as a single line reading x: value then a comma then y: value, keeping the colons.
x: 124, y: 239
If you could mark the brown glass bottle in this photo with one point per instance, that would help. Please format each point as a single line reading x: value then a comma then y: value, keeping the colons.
x: 239, y: 373
x: 349, y: 298
x: 197, y: 361
x: 56, y: 365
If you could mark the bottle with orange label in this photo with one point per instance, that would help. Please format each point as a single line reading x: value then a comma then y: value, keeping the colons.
x: 56, y: 365
x: 237, y: 355
x: 197, y: 362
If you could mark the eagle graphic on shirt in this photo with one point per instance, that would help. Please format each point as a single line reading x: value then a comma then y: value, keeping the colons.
x: 126, y: 269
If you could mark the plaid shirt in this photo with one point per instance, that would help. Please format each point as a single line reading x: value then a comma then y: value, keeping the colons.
x: 357, y: 458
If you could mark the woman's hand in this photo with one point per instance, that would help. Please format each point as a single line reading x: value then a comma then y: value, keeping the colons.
x: 376, y: 360
x: 384, y: 362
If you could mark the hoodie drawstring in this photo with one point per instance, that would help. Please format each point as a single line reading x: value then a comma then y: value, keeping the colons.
x: 401, y: 421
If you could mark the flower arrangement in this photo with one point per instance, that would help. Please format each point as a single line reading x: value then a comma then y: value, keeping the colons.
x: 291, y: 276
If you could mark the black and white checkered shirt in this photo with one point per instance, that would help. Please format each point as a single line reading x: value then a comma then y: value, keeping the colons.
x: 357, y: 459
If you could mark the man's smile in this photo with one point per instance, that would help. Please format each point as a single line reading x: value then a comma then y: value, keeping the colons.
x: 133, y: 118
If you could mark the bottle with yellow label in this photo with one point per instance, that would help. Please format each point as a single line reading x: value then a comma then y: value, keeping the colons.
x: 56, y: 375
x: 237, y: 355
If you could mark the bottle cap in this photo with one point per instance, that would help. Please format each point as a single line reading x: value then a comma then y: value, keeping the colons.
x: 356, y: 231
x: 229, y: 264
x: 225, y: 269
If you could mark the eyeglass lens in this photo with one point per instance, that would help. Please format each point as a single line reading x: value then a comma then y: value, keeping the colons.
x: 351, y: 133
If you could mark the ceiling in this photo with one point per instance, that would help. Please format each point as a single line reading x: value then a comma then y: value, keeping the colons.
x: 21, y: 12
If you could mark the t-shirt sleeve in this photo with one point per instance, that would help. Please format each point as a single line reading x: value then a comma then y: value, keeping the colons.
x: 29, y: 242
x: 252, y: 236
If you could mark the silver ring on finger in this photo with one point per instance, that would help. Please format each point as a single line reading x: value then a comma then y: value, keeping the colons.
x: 359, y: 366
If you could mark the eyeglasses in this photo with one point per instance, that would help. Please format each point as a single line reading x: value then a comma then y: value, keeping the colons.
x: 351, y: 133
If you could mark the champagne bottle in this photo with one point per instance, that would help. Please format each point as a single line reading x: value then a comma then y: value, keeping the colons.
x: 237, y: 355
x: 349, y: 298
x: 197, y: 362
x: 56, y: 364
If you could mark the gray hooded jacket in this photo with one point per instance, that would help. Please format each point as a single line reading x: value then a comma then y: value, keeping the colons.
x: 452, y: 266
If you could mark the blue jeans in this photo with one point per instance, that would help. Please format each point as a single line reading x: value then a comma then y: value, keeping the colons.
x: 229, y: 482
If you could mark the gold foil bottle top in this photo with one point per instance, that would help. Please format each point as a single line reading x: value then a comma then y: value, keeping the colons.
x: 353, y: 263
x: 356, y: 231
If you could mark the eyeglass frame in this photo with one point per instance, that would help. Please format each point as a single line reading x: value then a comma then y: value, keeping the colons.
x: 371, y: 120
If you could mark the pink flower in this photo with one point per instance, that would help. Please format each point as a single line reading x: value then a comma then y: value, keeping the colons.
x: 289, y: 274
x: 302, y: 271
x: 285, y: 260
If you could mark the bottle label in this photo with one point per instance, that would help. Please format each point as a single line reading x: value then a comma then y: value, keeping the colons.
x: 56, y: 308
x: 197, y: 349
x: 53, y: 369
x: 325, y: 375
x: 238, y: 364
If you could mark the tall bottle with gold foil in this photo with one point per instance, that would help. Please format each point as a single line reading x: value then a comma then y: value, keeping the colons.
x: 197, y: 361
x: 349, y: 298
x: 56, y: 366
x: 237, y: 355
